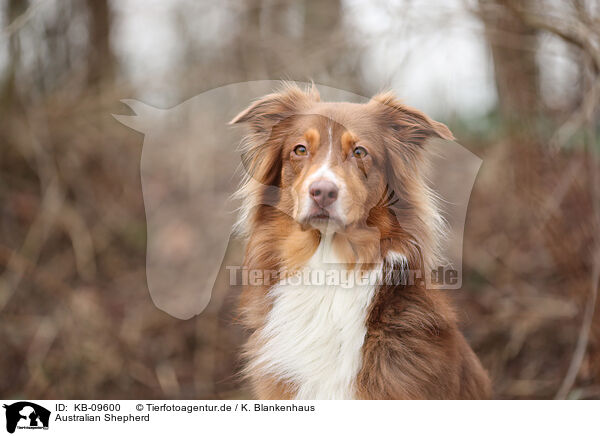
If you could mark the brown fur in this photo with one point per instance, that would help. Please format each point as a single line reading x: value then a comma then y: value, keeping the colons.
x: 413, y: 348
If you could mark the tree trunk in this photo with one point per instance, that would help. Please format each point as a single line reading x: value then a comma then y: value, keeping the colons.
x: 100, y: 61
x: 513, y: 46
x: 13, y: 9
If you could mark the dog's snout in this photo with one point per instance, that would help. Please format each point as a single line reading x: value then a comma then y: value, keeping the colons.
x: 323, y: 192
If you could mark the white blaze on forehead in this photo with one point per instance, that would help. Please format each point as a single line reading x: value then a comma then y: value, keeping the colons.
x: 324, y: 171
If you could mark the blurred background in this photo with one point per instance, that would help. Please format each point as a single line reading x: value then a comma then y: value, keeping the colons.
x: 517, y: 81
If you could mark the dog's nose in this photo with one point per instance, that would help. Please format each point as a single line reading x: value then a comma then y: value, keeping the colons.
x: 323, y: 192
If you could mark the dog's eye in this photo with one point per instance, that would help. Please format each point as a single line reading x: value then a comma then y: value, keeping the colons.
x: 359, y: 152
x: 300, y: 150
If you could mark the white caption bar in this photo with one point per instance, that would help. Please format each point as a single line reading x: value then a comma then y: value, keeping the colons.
x: 299, y: 417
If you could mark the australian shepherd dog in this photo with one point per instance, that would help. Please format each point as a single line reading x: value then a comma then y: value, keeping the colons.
x: 336, y: 208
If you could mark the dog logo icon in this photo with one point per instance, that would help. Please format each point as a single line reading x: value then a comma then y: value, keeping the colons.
x: 26, y: 415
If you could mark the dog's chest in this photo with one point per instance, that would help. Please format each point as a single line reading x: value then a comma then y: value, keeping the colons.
x: 314, y: 333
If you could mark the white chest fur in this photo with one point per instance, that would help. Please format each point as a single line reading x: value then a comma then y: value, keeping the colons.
x: 314, y: 333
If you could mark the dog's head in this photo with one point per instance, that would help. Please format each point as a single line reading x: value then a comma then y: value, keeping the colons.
x: 342, y: 165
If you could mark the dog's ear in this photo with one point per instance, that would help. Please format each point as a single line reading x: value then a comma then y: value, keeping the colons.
x: 405, y: 131
x: 261, y: 149
x: 409, y: 126
x: 271, y: 109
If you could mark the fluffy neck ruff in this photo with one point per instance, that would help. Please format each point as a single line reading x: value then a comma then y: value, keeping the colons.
x: 313, y: 335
